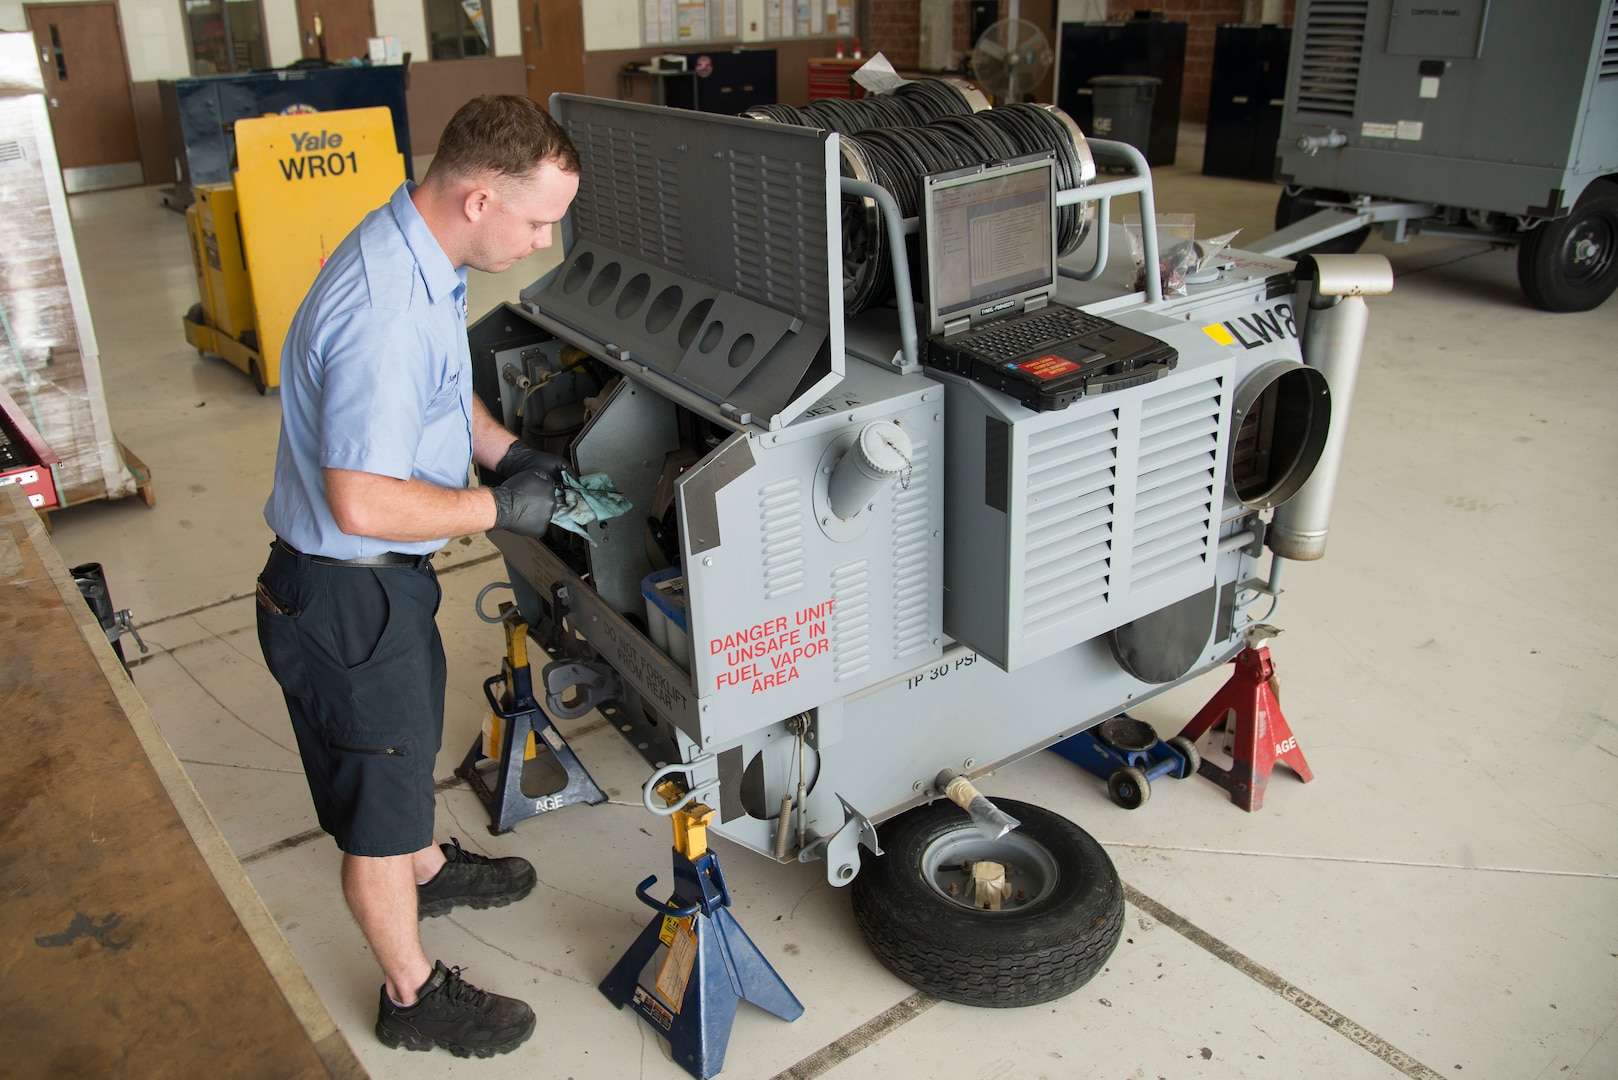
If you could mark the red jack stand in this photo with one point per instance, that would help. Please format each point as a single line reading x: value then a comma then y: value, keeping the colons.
x: 1262, y: 734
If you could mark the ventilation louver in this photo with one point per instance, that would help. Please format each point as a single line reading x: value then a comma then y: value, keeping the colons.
x: 1333, y: 45
x: 1609, y: 46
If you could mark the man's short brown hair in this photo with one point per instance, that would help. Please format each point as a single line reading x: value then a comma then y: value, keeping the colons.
x: 502, y: 134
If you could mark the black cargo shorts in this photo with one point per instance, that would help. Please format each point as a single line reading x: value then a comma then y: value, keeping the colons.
x: 359, y: 659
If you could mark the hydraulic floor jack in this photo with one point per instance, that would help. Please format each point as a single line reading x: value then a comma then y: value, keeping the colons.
x: 517, y: 732
x: 694, y: 963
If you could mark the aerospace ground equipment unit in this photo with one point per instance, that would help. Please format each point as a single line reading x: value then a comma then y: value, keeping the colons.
x: 852, y: 582
x: 1490, y: 120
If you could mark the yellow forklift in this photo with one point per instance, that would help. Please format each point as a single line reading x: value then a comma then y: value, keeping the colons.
x: 302, y: 182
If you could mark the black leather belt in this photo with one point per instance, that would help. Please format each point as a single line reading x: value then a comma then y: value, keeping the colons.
x: 387, y: 558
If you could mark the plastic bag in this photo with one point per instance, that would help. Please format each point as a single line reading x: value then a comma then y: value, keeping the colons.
x: 1176, y: 250
x: 1181, y: 257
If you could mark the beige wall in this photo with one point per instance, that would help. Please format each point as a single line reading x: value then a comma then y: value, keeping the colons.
x: 154, y: 33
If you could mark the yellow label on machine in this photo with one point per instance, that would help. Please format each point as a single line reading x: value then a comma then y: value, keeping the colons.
x: 1218, y: 332
x: 303, y: 182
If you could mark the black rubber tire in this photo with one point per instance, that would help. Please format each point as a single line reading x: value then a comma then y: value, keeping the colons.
x: 1129, y: 788
x: 256, y: 373
x: 1549, y: 269
x: 194, y: 314
x: 1193, y: 759
x: 1290, y: 209
x: 993, y: 959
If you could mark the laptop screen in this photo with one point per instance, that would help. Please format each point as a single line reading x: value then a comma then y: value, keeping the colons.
x: 991, y: 239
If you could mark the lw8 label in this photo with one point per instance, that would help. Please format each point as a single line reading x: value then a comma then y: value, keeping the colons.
x: 1276, y: 323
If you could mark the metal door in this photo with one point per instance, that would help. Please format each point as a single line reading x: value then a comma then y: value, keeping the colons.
x: 81, y: 54
x: 336, y: 30
x: 552, y: 47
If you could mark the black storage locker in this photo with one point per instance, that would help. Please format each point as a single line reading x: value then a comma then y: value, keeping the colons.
x: 738, y: 79
x: 1246, y: 99
x: 1140, y: 47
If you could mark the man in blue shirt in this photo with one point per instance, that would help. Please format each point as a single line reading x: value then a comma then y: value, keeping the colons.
x: 379, y: 430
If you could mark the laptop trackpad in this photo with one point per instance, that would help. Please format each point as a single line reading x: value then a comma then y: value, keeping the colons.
x: 1078, y: 354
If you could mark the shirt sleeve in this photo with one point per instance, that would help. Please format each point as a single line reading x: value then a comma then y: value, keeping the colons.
x: 377, y: 379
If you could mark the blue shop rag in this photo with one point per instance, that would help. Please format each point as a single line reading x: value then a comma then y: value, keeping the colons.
x: 581, y: 500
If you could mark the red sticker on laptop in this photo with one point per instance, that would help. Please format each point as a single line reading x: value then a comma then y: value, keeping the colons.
x: 1048, y: 367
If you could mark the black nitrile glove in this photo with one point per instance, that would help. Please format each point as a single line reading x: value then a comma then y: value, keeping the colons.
x: 524, y: 504
x: 521, y: 458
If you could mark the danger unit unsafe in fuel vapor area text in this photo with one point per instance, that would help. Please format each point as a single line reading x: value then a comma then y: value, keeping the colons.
x: 767, y: 654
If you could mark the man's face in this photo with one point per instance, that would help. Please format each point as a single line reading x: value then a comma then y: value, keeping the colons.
x: 519, y: 216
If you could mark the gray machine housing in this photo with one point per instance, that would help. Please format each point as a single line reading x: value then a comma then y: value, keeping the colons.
x: 1508, y: 106
x: 968, y: 612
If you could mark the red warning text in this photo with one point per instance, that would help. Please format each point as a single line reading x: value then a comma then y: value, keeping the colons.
x: 767, y: 654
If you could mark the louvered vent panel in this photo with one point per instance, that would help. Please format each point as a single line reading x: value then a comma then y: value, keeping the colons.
x: 628, y: 196
x: 1175, y: 493
x: 1333, y: 46
x: 1067, y: 553
x: 914, y: 576
x: 778, y: 212
x: 851, y: 620
x: 781, y: 518
x: 10, y: 150
x: 1609, y: 45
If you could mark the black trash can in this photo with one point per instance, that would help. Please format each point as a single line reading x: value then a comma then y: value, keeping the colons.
x: 1123, y: 108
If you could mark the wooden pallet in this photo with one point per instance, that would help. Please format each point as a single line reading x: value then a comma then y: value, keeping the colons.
x: 87, y: 493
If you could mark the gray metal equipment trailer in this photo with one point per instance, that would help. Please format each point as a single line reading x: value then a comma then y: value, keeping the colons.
x: 1491, y: 120
x: 848, y: 579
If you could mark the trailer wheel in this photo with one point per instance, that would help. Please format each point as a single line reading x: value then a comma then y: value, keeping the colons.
x: 1572, y: 264
x: 1291, y: 209
x: 1059, y: 922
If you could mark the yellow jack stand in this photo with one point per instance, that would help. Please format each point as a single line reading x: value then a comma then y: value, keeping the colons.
x: 693, y: 963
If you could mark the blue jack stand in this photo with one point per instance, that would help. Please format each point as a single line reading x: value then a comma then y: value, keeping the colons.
x: 693, y: 963
x: 1128, y: 755
x: 523, y: 733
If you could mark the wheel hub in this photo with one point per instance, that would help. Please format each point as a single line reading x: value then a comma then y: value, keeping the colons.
x: 988, y: 875
x: 1588, y: 250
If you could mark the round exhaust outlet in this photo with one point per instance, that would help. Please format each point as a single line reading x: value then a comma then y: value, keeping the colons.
x: 1279, y: 424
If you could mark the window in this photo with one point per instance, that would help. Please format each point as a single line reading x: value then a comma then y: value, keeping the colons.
x: 226, y: 36
x: 457, y: 29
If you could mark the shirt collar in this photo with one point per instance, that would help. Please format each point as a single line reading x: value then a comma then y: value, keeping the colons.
x: 442, y: 279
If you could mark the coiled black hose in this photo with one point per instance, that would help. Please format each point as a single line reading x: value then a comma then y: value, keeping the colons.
x: 928, y: 126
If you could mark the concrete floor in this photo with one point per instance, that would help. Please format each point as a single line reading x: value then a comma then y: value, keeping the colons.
x: 1441, y: 900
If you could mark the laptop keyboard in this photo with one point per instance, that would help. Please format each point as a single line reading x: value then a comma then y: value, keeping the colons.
x: 1023, y: 336
x: 11, y: 455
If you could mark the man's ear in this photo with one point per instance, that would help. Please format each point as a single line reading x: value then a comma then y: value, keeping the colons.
x: 478, y: 201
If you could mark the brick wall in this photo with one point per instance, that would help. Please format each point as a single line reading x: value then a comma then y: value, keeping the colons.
x: 896, y: 31
x: 1201, y: 17
x: 896, y: 28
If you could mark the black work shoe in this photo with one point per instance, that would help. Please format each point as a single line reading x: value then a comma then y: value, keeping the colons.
x: 456, y: 1015
x: 474, y: 881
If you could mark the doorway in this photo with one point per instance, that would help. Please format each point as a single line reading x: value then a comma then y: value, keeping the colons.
x: 81, y: 55
x: 552, y: 47
x: 336, y: 30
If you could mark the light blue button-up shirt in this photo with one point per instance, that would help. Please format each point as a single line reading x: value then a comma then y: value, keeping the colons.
x: 376, y: 376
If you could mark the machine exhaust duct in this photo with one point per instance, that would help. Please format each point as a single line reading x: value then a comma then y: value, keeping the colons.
x: 1333, y: 335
